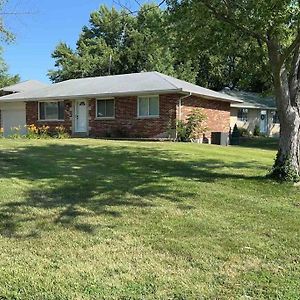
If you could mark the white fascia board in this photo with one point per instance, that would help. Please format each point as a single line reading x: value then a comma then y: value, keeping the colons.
x: 217, y: 98
x: 253, y: 107
x: 103, y: 95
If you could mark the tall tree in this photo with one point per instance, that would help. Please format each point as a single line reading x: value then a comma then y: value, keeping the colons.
x: 274, y: 26
x: 116, y: 42
x: 211, y: 64
x: 6, y: 78
x: 226, y: 57
x: 5, y: 36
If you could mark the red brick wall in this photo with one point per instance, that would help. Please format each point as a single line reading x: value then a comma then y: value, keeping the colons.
x: 128, y: 124
x: 217, y: 112
x: 32, y: 116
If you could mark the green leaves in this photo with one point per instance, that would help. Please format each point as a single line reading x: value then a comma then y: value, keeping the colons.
x: 212, y: 43
x: 5, y: 78
x: 227, y: 38
x: 116, y: 42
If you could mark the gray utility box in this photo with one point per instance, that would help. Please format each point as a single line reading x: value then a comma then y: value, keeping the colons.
x: 220, y: 138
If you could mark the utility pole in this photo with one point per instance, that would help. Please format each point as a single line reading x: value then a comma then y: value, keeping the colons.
x: 109, y: 66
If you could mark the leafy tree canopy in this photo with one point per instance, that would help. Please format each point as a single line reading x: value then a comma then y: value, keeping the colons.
x: 5, y: 36
x: 227, y: 57
x: 5, y: 78
x: 183, y: 41
x: 116, y: 42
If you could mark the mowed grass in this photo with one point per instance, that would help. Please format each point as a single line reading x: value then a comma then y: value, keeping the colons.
x: 93, y: 219
x: 260, y: 142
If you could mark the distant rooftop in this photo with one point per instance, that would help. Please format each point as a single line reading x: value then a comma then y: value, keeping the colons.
x: 251, y: 100
x: 117, y: 85
x: 24, y: 86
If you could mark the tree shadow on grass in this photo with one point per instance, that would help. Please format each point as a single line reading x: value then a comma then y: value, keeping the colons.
x: 265, y: 143
x: 78, y: 181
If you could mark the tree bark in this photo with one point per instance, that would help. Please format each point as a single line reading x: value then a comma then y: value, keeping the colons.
x: 287, y: 163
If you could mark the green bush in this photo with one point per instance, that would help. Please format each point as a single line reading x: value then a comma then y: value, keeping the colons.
x: 256, y: 131
x: 194, y: 126
x: 172, y: 125
x: 182, y: 134
x: 235, y: 136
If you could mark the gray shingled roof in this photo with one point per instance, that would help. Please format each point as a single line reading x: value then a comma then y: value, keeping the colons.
x: 251, y: 100
x: 117, y: 85
x: 24, y: 86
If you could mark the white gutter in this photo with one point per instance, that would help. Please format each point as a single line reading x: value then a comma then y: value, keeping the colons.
x: 179, y: 109
x: 252, y: 107
x: 180, y: 104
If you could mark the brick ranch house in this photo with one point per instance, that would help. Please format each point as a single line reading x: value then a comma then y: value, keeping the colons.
x: 133, y: 105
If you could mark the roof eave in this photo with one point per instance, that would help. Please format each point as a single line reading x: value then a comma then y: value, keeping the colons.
x: 123, y: 94
x: 236, y: 105
x: 230, y: 100
x: 102, y: 95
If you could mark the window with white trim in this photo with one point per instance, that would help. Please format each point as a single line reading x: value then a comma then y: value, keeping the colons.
x: 148, y: 106
x: 51, y: 110
x: 105, y: 108
x: 242, y: 114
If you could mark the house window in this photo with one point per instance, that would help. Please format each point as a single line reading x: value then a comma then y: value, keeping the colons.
x: 148, y: 106
x: 275, y: 117
x: 105, y: 108
x: 243, y: 114
x: 53, y: 110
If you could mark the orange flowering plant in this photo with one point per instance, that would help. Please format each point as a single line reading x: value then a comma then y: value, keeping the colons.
x: 32, y: 131
x: 60, y: 132
x: 44, y: 131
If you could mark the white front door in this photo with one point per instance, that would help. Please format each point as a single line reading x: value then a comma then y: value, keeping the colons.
x: 263, y: 121
x: 80, y: 116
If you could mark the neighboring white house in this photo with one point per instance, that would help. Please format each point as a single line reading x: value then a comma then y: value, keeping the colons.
x: 13, y: 114
x: 256, y: 110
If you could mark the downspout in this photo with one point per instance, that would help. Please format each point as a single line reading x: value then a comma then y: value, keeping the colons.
x: 179, y: 108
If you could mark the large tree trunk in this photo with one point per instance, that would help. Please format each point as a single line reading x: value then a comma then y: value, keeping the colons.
x: 287, y: 163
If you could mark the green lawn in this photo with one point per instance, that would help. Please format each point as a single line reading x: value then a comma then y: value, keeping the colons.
x: 260, y: 142
x: 93, y: 219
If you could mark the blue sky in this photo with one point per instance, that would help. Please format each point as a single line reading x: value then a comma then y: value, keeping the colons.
x: 37, y: 33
